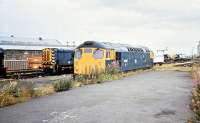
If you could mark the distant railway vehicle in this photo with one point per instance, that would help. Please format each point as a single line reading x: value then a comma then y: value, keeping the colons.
x: 2, y: 68
x: 159, y: 58
x: 93, y: 57
x: 181, y: 58
x: 16, y: 65
x: 57, y: 60
x: 168, y: 59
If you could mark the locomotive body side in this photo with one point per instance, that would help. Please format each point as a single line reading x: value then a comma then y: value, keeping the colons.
x: 94, y: 57
x: 57, y: 60
x: 135, y: 59
x: 2, y: 68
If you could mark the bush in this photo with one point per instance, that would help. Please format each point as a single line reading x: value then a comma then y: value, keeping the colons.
x: 7, y: 99
x: 14, y: 92
x: 6, y: 95
x: 43, y: 90
x: 109, y: 74
x: 195, y: 103
x: 24, y: 89
x: 80, y: 78
x: 62, y: 85
x: 112, y: 70
x: 196, y: 74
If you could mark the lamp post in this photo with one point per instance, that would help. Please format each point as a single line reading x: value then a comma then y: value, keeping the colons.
x: 192, y: 53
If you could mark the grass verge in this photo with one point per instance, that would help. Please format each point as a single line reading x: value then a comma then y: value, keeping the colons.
x: 195, y: 100
x: 16, y: 92
x: 172, y: 67
x: 62, y: 85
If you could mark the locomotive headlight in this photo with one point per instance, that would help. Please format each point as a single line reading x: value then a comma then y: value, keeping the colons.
x: 69, y: 62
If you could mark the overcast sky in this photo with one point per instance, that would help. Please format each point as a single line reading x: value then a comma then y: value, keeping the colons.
x: 154, y: 23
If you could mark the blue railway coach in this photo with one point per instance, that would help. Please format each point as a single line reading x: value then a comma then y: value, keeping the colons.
x: 132, y: 58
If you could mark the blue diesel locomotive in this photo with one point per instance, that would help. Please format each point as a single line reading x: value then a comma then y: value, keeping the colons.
x: 95, y: 57
x: 57, y: 60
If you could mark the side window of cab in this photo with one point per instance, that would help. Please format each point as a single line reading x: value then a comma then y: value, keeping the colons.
x: 98, y: 54
x: 78, y: 54
x: 108, y: 54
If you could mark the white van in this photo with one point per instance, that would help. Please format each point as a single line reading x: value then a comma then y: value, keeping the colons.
x: 159, y: 58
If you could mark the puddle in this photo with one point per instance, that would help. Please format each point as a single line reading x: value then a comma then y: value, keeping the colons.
x: 165, y: 112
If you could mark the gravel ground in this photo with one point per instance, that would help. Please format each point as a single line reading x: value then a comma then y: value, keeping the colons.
x: 46, y: 79
x: 151, y: 97
x: 39, y: 81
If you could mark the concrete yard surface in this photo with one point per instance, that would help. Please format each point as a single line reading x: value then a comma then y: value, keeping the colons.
x: 150, y: 97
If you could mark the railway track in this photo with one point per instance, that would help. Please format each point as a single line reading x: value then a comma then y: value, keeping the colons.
x: 24, y: 74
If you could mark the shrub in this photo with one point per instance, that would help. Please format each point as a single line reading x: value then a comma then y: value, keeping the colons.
x: 43, y: 90
x: 7, y: 99
x: 112, y: 70
x: 80, y: 78
x: 14, y: 92
x: 196, y: 74
x: 62, y: 85
x: 109, y: 74
x: 6, y: 95
x: 195, y: 103
x: 24, y: 89
x: 86, y: 79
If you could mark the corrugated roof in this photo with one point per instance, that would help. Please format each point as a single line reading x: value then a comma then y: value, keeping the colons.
x: 30, y: 43
x: 12, y: 47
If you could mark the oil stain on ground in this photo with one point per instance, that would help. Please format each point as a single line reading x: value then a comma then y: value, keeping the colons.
x: 165, y: 112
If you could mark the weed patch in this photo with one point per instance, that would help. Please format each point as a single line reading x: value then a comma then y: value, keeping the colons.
x: 62, y: 85
x: 195, y: 101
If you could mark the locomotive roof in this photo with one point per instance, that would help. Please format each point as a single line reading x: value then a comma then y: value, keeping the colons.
x: 62, y: 49
x: 1, y: 50
x: 114, y: 46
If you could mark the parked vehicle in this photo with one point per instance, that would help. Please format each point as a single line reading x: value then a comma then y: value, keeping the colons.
x: 2, y: 68
x: 31, y: 63
x: 159, y: 58
x: 168, y: 59
x: 57, y: 60
x: 16, y: 65
x: 15, y: 68
x: 93, y: 57
x: 181, y: 58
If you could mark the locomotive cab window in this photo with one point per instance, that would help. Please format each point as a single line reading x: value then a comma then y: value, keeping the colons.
x: 78, y: 54
x: 98, y: 54
x: 87, y: 50
x: 108, y: 55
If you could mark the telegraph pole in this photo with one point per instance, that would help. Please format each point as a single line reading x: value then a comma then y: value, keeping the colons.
x: 67, y: 43
x: 74, y: 44
x: 192, y: 53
